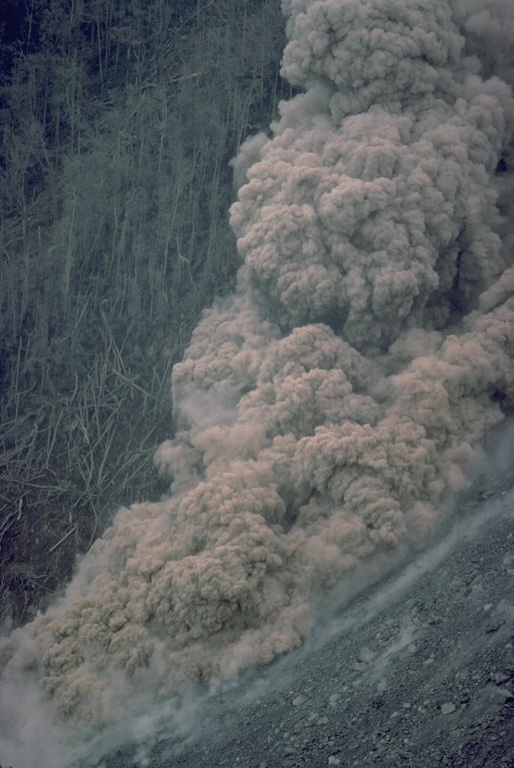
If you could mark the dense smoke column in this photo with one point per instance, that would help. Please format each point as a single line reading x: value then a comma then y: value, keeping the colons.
x: 327, y: 412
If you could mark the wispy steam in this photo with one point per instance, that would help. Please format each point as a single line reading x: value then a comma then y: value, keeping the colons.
x: 330, y: 409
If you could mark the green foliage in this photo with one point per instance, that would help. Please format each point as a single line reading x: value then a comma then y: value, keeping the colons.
x: 117, y: 122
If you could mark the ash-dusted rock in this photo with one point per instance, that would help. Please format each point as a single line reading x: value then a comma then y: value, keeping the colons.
x: 500, y: 695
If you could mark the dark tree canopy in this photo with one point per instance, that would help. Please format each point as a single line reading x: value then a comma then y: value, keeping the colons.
x: 117, y: 123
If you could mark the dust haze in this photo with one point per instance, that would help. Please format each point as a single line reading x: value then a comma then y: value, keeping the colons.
x: 329, y: 411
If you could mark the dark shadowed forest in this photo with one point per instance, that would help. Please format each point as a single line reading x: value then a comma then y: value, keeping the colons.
x: 118, y: 119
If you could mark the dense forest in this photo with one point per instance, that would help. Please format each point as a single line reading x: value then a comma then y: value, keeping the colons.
x: 118, y: 119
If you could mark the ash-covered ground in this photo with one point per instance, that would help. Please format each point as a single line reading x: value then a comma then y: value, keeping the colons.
x: 416, y: 671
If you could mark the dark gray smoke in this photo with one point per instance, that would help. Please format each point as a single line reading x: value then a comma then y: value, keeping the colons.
x: 330, y: 410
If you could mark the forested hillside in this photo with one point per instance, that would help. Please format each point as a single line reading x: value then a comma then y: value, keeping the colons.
x: 118, y: 119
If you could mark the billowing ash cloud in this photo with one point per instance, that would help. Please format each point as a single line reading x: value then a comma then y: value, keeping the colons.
x: 329, y: 410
